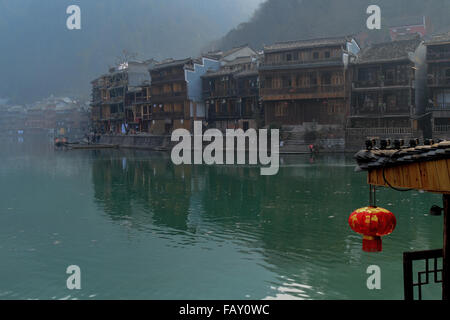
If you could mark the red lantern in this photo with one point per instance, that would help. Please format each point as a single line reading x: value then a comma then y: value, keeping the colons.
x: 372, y: 223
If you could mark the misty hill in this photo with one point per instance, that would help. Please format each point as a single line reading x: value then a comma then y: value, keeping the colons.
x: 40, y: 56
x: 284, y: 20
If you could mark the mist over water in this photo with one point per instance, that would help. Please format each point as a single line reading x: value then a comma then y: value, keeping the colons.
x: 141, y: 228
x: 40, y: 56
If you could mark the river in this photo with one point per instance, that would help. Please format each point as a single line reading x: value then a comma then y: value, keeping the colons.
x: 141, y: 228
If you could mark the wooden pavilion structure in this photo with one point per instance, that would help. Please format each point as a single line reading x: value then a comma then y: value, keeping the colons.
x: 425, y: 168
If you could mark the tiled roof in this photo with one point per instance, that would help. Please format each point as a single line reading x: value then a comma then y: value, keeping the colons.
x: 233, y: 50
x: 439, y: 39
x: 171, y: 63
x: 376, y: 158
x: 247, y: 73
x: 388, y: 51
x: 311, y: 43
x: 321, y: 63
x: 239, y: 60
x: 407, y: 21
x: 221, y: 72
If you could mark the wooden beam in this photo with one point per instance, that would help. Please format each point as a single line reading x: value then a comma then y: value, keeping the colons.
x: 446, y: 248
x: 431, y: 176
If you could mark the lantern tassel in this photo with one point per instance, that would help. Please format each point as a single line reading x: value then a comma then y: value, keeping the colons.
x: 372, y: 244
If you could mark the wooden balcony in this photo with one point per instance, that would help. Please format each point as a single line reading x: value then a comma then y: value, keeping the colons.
x: 168, y: 78
x: 438, y: 56
x: 219, y: 93
x: 380, y: 112
x: 223, y: 115
x: 314, y: 92
x: 439, y: 82
x: 169, y: 95
x: 382, y: 84
x: 235, y: 114
x: 113, y: 116
x: 142, y: 100
x: 366, y: 132
x: 166, y: 115
x: 331, y: 60
x: 441, y: 128
x: 439, y: 107
x: 248, y: 92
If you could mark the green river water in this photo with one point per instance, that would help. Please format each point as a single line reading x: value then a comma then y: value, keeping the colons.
x: 141, y: 228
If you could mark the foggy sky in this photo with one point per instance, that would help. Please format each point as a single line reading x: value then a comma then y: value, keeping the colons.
x: 40, y: 56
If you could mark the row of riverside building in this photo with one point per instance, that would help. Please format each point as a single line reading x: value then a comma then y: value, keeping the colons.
x: 327, y: 91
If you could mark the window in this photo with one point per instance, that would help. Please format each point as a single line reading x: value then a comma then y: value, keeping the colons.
x: 295, y: 55
x: 156, y: 90
x: 289, y: 57
x: 391, y: 101
x: 177, y: 87
x: 366, y: 74
x: 167, y: 107
x: 287, y: 82
x: 167, y: 88
x: 178, y: 107
x: 369, y: 102
x: 315, y: 55
x: 327, y: 54
x: 326, y: 79
x: 223, y: 107
x: 312, y: 79
x: 281, y: 109
x: 389, y: 75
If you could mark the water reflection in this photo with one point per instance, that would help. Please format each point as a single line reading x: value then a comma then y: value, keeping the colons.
x: 293, y: 224
x: 144, y: 228
x: 148, y: 191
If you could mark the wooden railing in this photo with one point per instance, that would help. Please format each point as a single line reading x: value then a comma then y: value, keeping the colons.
x: 304, y: 90
x: 378, y: 131
x: 432, y: 272
x: 169, y: 94
x: 248, y: 91
x: 441, y: 128
x: 167, y: 78
x: 381, y: 83
x: 166, y: 115
x: 439, y: 107
x: 380, y: 112
x: 438, y: 55
x: 219, y: 93
x: 441, y: 81
x: 299, y: 62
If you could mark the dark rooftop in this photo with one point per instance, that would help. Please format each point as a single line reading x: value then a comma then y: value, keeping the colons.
x: 172, y: 63
x: 388, y: 51
x: 376, y: 158
x: 303, y: 44
x: 247, y: 73
x: 439, y: 39
x: 221, y: 72
x: 407, y: 21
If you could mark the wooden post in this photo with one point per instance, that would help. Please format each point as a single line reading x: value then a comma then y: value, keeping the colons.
x: 407, y: 278
x: 446, y: 247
